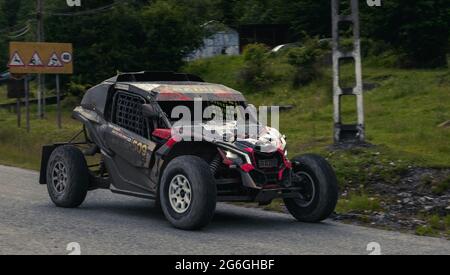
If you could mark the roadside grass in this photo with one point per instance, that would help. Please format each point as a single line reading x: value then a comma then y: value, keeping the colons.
x: 3, y: 93
x: 21, y: 149
x: 402, y: 113
x: 441, y: 187
x: 426, y: 230
x: 359, y: 203
x: 436, y: 226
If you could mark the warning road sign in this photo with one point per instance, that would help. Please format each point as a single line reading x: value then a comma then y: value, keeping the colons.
x: 54, y: 61
x: 16, y: 61
x: 40, y: 58
x: 35, y: 61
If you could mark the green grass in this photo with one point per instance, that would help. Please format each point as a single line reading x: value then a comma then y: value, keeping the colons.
x: 3, y: 94
x: 426, y: 230
x: 441, y: 187
x: 447, y: 222
x: 358, y: 203
x: 22, y: 149
x: 436, y: 226
x: 5, y: 99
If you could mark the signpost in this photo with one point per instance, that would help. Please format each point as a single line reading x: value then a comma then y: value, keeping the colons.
x: 16, y: 91
x: 41, y: 58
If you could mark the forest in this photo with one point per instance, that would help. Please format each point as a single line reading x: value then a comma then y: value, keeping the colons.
x: 133, y: 35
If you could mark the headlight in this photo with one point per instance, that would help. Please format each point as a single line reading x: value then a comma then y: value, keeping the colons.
x: 234, y: 158
x: 231, y: 155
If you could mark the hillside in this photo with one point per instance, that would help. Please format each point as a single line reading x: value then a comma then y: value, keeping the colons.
x: 403, y: 110
x: 408, y: 159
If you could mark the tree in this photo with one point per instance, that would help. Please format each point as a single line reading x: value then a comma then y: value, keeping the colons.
x: 130, y: 37
x: 418, y: 30
x: 171, y: 33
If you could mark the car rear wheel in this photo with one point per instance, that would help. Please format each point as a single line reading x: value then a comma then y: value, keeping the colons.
x: 188, y: 193
x: 67, y: 177
x: 318, y: 186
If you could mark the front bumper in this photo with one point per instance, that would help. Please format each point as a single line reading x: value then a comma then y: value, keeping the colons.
x: 260, y: 180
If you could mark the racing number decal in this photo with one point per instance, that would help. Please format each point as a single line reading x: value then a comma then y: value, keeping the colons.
x: 140, y: 148
x: 131, y: 148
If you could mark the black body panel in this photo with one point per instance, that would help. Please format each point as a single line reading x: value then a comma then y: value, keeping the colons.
x: 95, y: 99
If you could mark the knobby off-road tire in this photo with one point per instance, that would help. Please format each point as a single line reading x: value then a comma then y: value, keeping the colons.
x: 321, y: 183
x: 67, y: 177
x: 188, y: 193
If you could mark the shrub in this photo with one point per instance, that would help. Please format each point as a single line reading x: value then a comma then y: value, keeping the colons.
x: 76, y: 89
x: 304, y: 60
x: 75, y: 93
x: 256, y: 72
x: 70, y: 102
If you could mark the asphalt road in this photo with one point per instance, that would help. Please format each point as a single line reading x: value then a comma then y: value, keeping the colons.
x: 113, y: 224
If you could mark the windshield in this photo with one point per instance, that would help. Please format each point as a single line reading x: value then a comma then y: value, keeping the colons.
x: 206, y: 111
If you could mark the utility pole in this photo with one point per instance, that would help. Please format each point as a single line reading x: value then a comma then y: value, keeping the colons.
x: 40, y: 38
x: 343, y: 132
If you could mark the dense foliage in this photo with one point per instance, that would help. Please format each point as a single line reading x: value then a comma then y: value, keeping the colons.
x: 256, y: 71
x: 157, y: 34
x: 305, y: 59
x: 418, y: 30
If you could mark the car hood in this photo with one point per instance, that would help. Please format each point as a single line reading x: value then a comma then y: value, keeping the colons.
x: 261, y: 138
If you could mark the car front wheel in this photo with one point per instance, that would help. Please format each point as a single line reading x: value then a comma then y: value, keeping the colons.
x: 318, y: 187
x: 188, y: 193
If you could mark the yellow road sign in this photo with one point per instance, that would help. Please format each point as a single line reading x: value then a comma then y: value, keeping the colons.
x: 40, y: 58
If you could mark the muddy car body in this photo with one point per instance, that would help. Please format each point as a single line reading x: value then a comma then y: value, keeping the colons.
x: 128, y: 124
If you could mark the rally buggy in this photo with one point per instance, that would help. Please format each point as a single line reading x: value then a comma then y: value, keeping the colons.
x: 128, y: 126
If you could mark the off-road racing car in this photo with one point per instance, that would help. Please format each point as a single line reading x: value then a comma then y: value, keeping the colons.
x: 129, y: 128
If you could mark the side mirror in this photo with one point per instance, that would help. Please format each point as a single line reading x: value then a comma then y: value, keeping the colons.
x: 151, y: 111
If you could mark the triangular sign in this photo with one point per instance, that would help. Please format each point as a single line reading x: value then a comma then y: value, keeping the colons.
x: 35, y: 61
x: 16, y: 61
x: 54, y: 61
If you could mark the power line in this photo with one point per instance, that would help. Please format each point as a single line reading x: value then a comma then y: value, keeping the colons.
x: 86, y: 12
x: 21, y: 28
x: 20, y: 34
x: 24, y: 26
x: 11, y: 29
